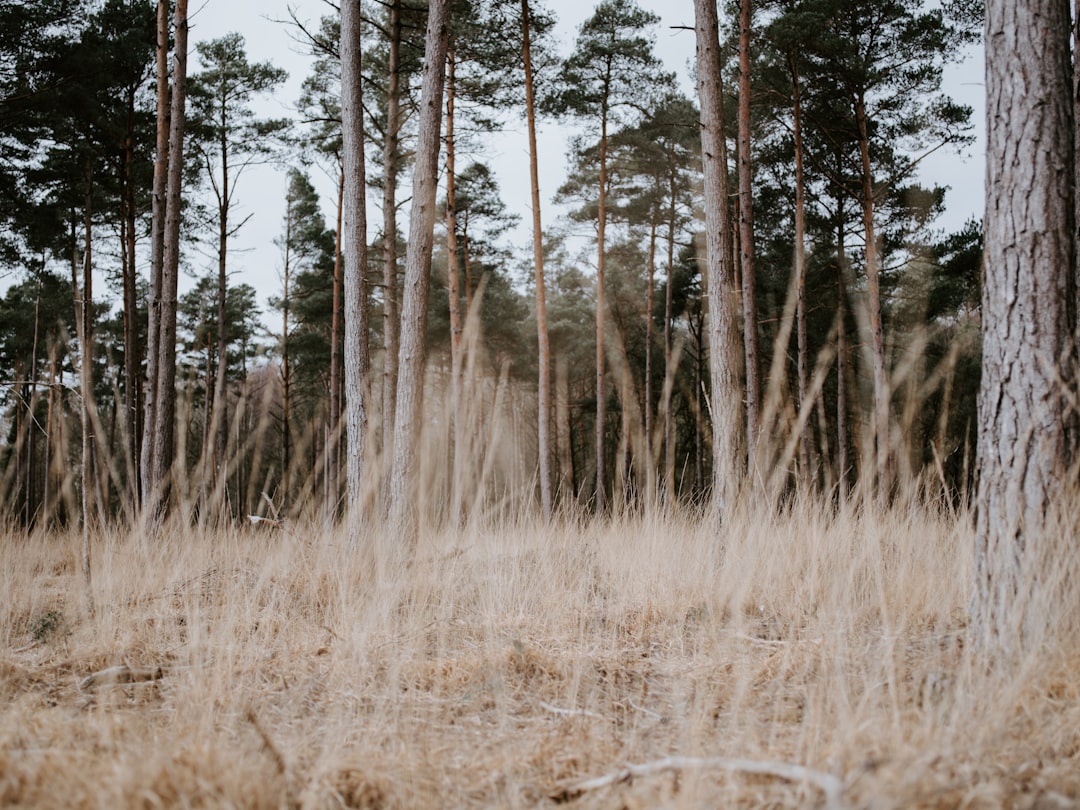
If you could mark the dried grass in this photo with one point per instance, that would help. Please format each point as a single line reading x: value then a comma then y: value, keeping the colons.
x: 507, y: 666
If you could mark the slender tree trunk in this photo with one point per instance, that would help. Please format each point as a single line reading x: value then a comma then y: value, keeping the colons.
x: 409, y: 421
x: 391, y: 319
x: 746, y: 237
x: 354, y: 261
x: 84, y: 328
x: 286, y: 370
x: 650, y: 459
x: 800, y: 272
x: 543, y: 341
x: 453, y: 277
x: 157, y: 252
x: 333, y: 463
x: 218, y: 440
x: 669, y: 301
x: 166, y: 390
x: 723, y: 333
x: 601, y: 256
x: 1029, y: 266
x: 873, y: 296
x: 842, y: 356
x: 132, y: 350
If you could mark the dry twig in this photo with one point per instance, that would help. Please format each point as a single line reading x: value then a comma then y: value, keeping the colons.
x: 829, y: 785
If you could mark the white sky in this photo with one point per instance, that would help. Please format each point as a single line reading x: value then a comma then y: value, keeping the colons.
x: 257, y: 261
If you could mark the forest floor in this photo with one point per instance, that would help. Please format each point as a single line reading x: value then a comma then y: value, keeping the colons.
x: 801, y: 659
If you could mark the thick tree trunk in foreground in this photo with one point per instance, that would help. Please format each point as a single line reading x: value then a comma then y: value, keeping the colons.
x: 723, y: 332
x: 543, y: 341
x: 410, y: 388
x: 1029, y: 267
x: 354, y: 259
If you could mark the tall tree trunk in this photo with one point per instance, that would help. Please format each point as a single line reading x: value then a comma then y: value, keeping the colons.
x: 391, y: 319
x: 354, y: 260
x: 650, y: 458
x: 669, y: 302
x: 453, y: 276
x: 333, y: 462
x: 806, y: 474
x: 83, y: 326
x: 723, y: 332
x: 166, y: 390
x: 286, y: 370
x: 418, y: 273
x: 132, y: 350
x: 543, y: 388
x: 157, y: 253
x: 842, y: 359
x: 873, y: 300
x: 1029, y: 266
x: 218, y: 441
x: 601, y: 256
x: 746, y: 237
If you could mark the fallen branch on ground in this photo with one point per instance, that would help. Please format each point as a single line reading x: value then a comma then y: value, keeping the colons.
x: 829, y: 785
x: 571, y: 712
x: 121, y: 675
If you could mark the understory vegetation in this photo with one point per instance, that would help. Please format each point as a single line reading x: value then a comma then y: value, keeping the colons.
x: 509, y: 663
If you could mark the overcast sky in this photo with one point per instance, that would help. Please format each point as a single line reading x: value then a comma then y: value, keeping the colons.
x: 257, y: 261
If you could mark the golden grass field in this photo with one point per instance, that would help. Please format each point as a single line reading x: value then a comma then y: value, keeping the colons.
x: 794, y: 658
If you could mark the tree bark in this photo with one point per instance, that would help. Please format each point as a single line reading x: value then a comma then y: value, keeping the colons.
x: 157, y: 249
x: 410, y: 388
x: 164, y: 444
x: 1029, y: 267
x: 800, y: 271
x: 391, y: 319
x: 601, y: 393
x: 453, y: 283
x: 669, y: 302
x: 746, y: 237
x: 354, y: 260
x: 542, y: 338
x: 132, y: 350
x: 882, y: 394
x: 842, y: 355
x: 333, y: 462
x: 723, y: 333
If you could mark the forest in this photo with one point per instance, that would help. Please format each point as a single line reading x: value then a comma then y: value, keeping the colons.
x: 741, y: 482
x: 260, y: 394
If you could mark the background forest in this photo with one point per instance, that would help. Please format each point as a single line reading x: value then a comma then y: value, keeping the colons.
x: 827, y: 124
x: 744, y: 483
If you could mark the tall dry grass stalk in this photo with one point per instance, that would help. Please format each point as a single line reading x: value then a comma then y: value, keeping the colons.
x: 508, y: 663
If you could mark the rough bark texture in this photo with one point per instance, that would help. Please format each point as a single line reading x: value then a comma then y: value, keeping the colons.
x: 157, y: 248
x: 720, y: 278
x: 166, y: 388
x: 543, y: 341
x: 746, y: 236
x: 418, y: 272
x: 354, y: 257
x: 1028, y: 270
